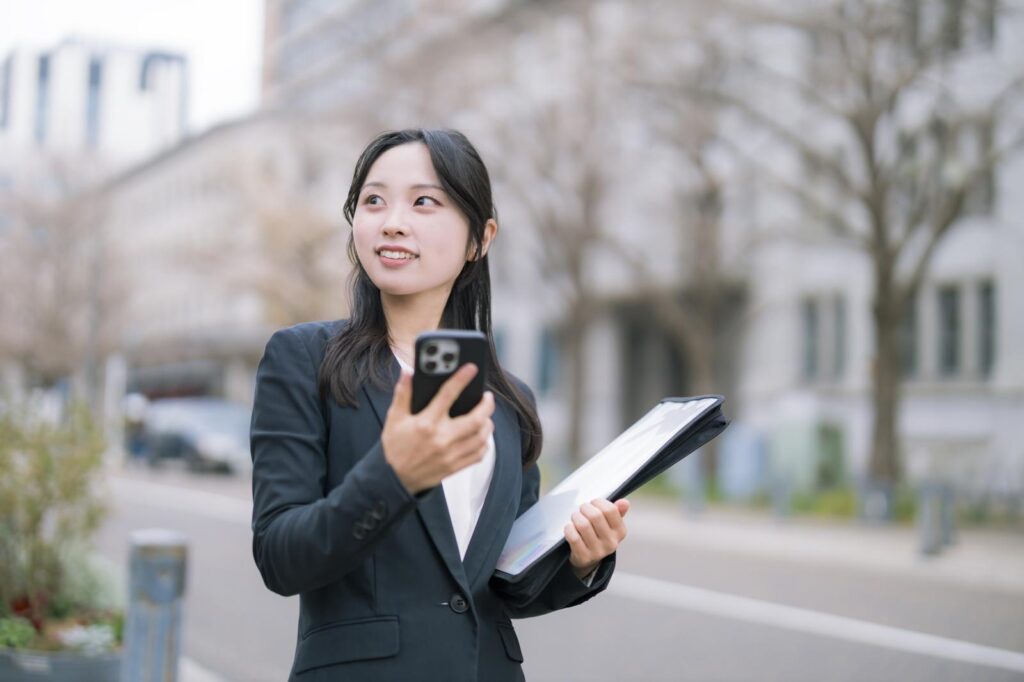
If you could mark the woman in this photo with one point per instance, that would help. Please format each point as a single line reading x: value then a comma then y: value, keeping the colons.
x: 389, y: 524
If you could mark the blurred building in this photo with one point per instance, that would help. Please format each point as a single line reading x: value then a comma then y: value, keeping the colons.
x: 808, y: 354
x: 226, y: 236
x: 198, y: 231
x: 794, y: 345
x: 81, y: 97
x: 70, y: 116
x: 492, y: 68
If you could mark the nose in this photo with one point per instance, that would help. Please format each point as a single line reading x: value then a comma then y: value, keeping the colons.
x: 394, y: 224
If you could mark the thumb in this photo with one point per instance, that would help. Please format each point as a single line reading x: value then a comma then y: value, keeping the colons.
x: 623, y: 506
x: 402, y: 400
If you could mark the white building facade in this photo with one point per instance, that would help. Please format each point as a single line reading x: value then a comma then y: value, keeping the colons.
x: 87, y: 98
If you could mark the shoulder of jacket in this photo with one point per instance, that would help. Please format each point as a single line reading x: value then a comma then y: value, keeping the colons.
x: 313, y: 335
x: 521, y: 386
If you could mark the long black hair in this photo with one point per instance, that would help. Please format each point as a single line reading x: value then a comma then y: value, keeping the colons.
x: 360, y: 352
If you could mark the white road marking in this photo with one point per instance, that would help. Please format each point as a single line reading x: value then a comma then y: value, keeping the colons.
x: 665, y: 593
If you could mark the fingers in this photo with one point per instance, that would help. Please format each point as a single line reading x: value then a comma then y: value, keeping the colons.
x: 611, y: 516
x: 451, y: 389
x: 476, y: 417
x: 597, y: 520
x: 596, y: 531
x: 577, y: 547
x: 623, y: 506
x: 472, y: 447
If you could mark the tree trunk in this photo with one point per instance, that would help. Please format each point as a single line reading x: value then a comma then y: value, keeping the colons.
x: 884, y: 466
x: 575, y: 348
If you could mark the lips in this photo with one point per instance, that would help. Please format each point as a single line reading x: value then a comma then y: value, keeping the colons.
x: 395, y: 256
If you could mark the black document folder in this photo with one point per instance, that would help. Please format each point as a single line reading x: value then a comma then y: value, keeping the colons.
x: 536, y: 548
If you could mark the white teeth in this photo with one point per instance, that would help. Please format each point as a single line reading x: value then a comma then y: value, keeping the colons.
x: 400, y: 255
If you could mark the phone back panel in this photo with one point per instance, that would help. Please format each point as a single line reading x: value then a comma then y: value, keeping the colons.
x: 449, y: 349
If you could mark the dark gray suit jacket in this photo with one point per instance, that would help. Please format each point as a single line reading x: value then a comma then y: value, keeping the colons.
x: 383, y: 592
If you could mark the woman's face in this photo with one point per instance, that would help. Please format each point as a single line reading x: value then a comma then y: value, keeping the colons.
x: 409, y: 236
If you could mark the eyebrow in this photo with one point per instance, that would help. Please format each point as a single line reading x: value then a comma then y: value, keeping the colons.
x: 417, y: 186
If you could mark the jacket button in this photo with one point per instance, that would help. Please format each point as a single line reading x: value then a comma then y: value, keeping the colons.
x: 380, y: 509
x: 359, y: 532
x: 458, y: 603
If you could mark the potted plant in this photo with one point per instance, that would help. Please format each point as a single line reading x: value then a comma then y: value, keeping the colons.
x: 60, y: 615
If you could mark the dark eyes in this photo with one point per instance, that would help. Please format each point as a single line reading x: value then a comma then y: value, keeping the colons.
x: 376, y: 200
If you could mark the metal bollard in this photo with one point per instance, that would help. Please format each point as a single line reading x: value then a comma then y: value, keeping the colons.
x: 929, y: 520
x: 152, y: 629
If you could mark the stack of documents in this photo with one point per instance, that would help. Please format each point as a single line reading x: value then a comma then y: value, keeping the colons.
x: 674, y: 428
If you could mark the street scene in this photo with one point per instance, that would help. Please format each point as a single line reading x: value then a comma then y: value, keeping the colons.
x: 723, y: 596
x: 223, y: 227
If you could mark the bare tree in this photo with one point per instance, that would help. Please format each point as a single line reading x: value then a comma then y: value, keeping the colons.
x: 62, y: 289
x: 281, y: 244
x: 552, y: 160
x: 544, y: 151
x: 893, y: 155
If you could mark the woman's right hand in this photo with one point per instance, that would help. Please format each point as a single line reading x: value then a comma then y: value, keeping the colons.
x: 425, y: 447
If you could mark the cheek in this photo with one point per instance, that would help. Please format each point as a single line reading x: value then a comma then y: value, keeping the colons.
x: 363, y: 239
x: 446, y: 252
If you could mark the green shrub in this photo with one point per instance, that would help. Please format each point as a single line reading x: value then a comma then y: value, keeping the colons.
x: 16, y: 632
x: 50, y: 506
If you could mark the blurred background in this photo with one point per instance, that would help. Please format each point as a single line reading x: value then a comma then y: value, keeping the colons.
x: 808, y: 207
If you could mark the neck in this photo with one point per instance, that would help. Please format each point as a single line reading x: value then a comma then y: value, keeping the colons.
x: 410, y: 315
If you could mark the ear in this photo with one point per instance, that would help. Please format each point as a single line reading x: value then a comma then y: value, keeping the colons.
x: 490, y: 232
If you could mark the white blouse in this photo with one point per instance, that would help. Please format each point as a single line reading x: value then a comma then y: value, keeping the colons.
x: 465, y: 491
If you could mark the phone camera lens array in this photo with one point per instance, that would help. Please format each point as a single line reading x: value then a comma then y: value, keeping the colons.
x: 439, y: 357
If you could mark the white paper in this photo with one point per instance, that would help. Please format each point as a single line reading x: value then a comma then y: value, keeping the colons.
x: 540, y: 528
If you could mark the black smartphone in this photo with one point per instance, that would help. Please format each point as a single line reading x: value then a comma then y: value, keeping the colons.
x: 439, y: 354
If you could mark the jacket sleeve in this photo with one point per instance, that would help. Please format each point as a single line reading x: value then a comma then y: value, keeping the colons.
x: 303, y: 536
x: 526, y: 598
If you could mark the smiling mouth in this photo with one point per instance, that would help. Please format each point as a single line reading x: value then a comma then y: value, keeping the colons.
x: 397, y: 255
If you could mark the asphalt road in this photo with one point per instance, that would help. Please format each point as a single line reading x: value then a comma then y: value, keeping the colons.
x: 672, y: 613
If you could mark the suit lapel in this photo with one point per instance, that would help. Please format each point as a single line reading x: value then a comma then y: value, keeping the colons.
x: 502, y: 495
x: 431, y: 507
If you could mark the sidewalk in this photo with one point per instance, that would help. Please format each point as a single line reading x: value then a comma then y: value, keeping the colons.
x: 978, y: 558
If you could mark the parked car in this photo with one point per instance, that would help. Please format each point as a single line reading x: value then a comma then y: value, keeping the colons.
x: 206, y: 433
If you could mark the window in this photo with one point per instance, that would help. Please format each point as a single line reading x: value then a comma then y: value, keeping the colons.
x: 155, y: 63
x: 986, y: 329
x: 42, y: 97
x: 809, y: 318
x: 839, y: 336
x: 823, y: 321
x: 981, y: 195
x: 987, y: 22
x: 92, y: 104
x: 6, y: 73
x: 908, y: 340
x: 952, y: 24
x: 949, y: 331
x: 548, y: 361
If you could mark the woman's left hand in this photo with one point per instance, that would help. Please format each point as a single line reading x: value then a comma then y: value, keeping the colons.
x: 595, y: 532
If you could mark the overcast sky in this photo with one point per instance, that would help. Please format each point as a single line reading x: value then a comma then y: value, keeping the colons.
x: 222, y: 39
